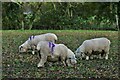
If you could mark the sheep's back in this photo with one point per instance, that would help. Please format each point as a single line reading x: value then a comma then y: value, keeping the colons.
x: 70, y: 53
x: 97, y: 44
x: 50, y: 37
x: 101, y: 43
x: 60, y: 50
x: 44, y: 47
x: 87, y: 46
x: 38, y: 38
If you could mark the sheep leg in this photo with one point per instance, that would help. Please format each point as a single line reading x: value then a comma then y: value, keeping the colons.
x: 101, y: 54
x: 42, y: 60
x: 63, y: 60
x: 64, y: 63
x: 87, y: 57
x: 91, y: 56
x: 82, y: 55
x: 33, y: 52
x: 100, y: 57
x: 88, y: 54
x: 68, y: 62
x: 106, y: 57
x: 106, y: 51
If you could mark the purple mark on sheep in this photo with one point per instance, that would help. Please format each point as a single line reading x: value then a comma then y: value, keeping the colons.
x: 51, y: 46
x: 32, y: 37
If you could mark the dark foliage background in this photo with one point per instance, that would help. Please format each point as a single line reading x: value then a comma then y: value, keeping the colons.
x: 59, y: 15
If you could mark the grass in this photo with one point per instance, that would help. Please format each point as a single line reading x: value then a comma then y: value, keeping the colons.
x: 24, y: 65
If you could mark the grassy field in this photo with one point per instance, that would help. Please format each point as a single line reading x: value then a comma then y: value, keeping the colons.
x: 24, y: 65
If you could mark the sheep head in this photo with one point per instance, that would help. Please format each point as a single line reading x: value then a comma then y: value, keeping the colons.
x: 24, y: 47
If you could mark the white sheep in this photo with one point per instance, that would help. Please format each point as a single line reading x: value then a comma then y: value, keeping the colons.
x: 54, y: 52
x: 98, y: 45
x: 32, y: 41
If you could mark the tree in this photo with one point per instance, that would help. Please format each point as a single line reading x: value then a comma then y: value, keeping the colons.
x: 59, y: 15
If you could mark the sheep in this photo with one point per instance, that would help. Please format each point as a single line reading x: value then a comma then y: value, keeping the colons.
x: 92, y: 46
x: 55, y: 52
x: 32, y: 41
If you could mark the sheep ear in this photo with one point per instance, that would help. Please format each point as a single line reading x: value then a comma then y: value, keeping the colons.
x: 30, y: 38
x: 21, y: 47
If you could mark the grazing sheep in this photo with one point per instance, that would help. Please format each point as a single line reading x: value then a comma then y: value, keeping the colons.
x: 32, y: 41
x: 90, y: 47
x: 54, y: 52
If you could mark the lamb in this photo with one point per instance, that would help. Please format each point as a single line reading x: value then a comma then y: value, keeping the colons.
x: 98, y: 45
x: 32, y: 41
x: 55, y: 51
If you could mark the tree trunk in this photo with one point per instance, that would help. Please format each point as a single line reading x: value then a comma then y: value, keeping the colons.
x: 54, y: 5
x: 22, y: 25
x: 117, y: 25
x: 31, y: 25
x: 116, y: 16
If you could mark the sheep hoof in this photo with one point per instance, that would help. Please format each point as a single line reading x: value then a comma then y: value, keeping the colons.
x: 100, y: 57
x: 106, y: 58
x: 69, y: 65
x: 87, y: 57
x: 81, y: 58
x: 39, y: 66
x: 33, y: 52
x: 52, y: 57
x: 91, y: 57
